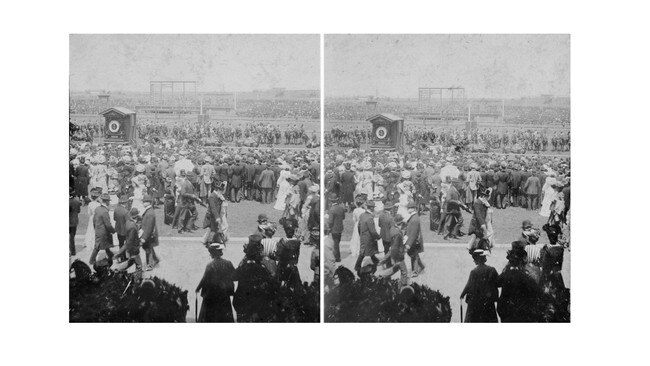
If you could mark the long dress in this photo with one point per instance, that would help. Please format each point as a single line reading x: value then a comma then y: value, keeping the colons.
x: 98, y: 177
x: 283, y: 189
x: 550, y: 194
x: 216, y: 288
x: 404, y: 198
x: 139, y: 188
x: 89, y: 241
x: 355, y: 242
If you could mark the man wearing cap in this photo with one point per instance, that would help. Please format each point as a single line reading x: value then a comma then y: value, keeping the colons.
x: 131, y: 247
x: 266, y: 181
x: 103, y: 229
x: 188, y: 214
x: 368, y: 236
x: 414, y: 241
x: 396, y: 254
x: 335, y: 224
x: 149, y: 237
x: 120, y: 215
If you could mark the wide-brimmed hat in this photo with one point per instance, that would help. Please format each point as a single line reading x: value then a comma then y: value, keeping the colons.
x: 217, y: 246
x: 399, y: 219
x: 124, y: 199
x: 262, y: 218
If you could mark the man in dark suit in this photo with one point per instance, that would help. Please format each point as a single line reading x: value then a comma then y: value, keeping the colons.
x: 335, y: 224
x: 532, y: 188
x: 415, y: 243
x: 347, y: 186
x: 396, y: 254
x: 266, y: 183
x: 522, y: 191
x: 236, y: 179
x: 75, y: 209
x: 513, y: 185
x: 188, y: 208
x: 502, y: 187
x: 303, y: 186
x: 275, y: 167
x: 149, y: 237
x: 452, y: 219
x: 368, y: 237
x: 104, y: 230
x: 131, y: 247
x: 259, y: 168
x: 385, y: 226
x: 249, y: 170
x: 120, y: 215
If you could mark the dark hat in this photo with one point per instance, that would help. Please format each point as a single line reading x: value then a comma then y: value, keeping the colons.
x: 105, y: 197
x: 147, y: 198
x: 412, y: 204
x: 370, y: 203
x: 334, y: 197
x: 255, y: 239
x: 124, y: 198
x: 399, y: 219
x: 134, y: 212
x: 262, y: 218
x: 526, y: 224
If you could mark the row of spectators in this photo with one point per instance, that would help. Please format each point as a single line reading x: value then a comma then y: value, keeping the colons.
x: 529, y: 115
x: 264, y: 108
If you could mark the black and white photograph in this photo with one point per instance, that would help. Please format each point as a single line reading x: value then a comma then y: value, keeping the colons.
x: 194, y: 178
x: 447, y: 177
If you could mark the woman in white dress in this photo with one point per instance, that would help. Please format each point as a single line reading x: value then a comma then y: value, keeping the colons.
x: 550, y: 195
x: 140, y: 183
x: 89, y: 240
x: 283, y: 188
x: 355, y: 242
x: 99, y: 174
x: 405, y: 196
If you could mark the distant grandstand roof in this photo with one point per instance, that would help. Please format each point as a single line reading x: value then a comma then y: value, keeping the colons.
x: 387, y: 116
x: 120, y: 110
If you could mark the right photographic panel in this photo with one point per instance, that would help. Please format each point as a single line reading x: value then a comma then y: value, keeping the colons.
x: 447, y: 178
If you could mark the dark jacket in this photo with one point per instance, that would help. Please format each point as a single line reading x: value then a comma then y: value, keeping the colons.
x: 481, y: 293
x: 103, y: 228
x: 149, y: 228
x: 502, y: 183
x: 414, y: 234
x: 336, y: 217
x: 396, y: 244
x: 368, y: 235
x: 266, y: 179
x: 237, y: 175
x: 386, y: 223
x: 75, y: 209
x: 119, y: 215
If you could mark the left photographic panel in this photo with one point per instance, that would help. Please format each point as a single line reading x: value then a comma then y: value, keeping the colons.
x: 194, y: 178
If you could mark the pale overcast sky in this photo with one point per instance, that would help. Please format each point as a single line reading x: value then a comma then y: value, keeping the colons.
x: 488, y: 66
x: 231, y: 62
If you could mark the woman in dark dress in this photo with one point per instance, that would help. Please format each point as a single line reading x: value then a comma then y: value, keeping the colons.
x: 481, y: 291
x: 82, y: 180
x: 519, y: 292
x: 216, y: 287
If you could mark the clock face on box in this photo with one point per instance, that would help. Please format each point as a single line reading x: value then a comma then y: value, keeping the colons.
x: 381, y: 132
x: 114, y: 126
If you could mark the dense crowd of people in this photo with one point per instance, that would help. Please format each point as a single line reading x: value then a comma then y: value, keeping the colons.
x: 121, y: 186
x: 486, y: 139
x: 387, y: 194
x: 261, y: 133
x: 341, y: 110
x: 252, y: 108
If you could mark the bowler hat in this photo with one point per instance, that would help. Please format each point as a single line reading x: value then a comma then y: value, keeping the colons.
x: 412, y: 204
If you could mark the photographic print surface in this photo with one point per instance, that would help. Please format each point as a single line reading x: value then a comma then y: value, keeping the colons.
x: 447, y: 177
x: 194, y: 178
